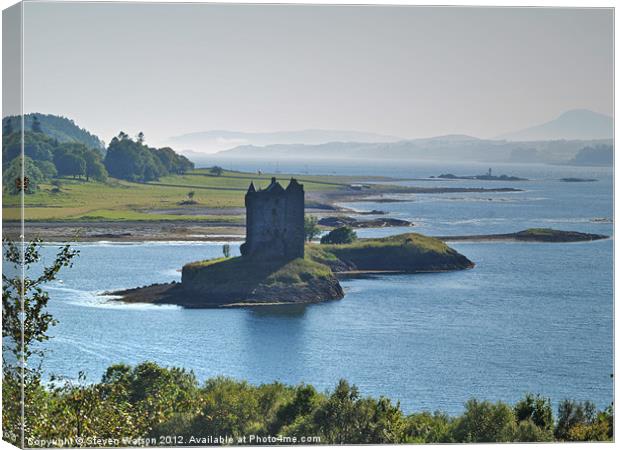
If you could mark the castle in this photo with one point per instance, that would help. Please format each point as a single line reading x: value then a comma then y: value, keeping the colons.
x: 275, y: 221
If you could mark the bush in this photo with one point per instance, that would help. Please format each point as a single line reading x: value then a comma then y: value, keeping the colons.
x: 537, y: 409
x: 428, y: 428
x: 311, y: 229
x: 582, y: 422
x: 485, y: 422
x: 342, y: 235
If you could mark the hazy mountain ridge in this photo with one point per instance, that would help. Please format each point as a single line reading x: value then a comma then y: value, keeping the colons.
x: 225, y: 139
x: 559, y: 141
x: 577, y: 124
x: 425, y: 149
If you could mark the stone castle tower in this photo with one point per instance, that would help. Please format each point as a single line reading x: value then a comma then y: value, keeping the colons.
x: 275, y: 221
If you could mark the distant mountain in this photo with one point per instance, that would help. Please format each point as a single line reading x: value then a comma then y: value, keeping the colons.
x: 57, y: 127
x: 576, y: 124
x: 442, y: 148
x: 450, y: 138
x: 217, y: 140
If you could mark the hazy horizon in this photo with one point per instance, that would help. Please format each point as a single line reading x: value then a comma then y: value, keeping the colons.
x: 410, y: 72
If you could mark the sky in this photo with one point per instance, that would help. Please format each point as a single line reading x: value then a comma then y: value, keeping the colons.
x: 169, y: 69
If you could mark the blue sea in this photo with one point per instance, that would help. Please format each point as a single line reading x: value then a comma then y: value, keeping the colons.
x: 530, y: 317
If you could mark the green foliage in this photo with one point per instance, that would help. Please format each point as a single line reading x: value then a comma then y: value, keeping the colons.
x: 342, y: 235
x: 36, y: 125
x: 347, y: 418
x: 216, y: 170
x: 57, y: 128
x: 528, y: 431
x: 47, y: 168
x: 311, y: 229
x: 580, y: 421
x: 410, y: 252
x: 425, y: 427
x: 69, y: 160
x: 14, y: 172
x: 7, y: 126
x: 537, y: 409
x: 53, y: 158
x: 36, y: 146
x: 25, y: 324
x: 133, y: 161
x: 485, y: 422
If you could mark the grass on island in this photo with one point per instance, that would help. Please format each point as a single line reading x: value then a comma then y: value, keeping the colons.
x: 245, y: 272
x: 116, y: 200
x: 403, y: 252
x: 539, y: 232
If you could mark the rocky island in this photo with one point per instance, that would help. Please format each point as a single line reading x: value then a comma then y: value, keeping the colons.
x: 531, y: 235
x: 277, y: 267
x: 577, y: 180
x: 380, y: 222
x: 485, y: 177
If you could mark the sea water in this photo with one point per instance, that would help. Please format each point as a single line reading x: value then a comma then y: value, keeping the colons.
x: 530, y: 317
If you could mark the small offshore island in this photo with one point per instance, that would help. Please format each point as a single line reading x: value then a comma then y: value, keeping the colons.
x: 484, y: 177
x: 276, y: 266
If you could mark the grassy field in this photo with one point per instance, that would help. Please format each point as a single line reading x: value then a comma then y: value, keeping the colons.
x: 118, y: 200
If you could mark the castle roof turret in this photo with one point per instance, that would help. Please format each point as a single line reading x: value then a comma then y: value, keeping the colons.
x: 293, y: 184
x: 274, y: 186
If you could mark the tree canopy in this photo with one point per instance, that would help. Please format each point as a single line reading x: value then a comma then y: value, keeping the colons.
x: 134, y: 161
x: 56, y: 127
x: 342, y: 235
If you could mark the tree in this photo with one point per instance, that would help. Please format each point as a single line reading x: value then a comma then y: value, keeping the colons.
x: 133, y: 161
x: 70, y: 164
x: 12, y: 181
x: 425, y: 427
x: 94, y: 166
x: 7, y: 128
x: 572, y: 416
x: 140, y: 137
x: 226, y: 250
x: 47, y: 168
x: 537, y: 409
x: 216, y: 170
x: 36, y: 125
x: 36, y: 145
x: 485, y: 422
x: 311, y: 229
x: 346, y: 418
x: 25, y: 322
x: 342, y: 235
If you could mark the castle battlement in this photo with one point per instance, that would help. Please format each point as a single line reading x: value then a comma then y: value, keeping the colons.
x: 275, y: 221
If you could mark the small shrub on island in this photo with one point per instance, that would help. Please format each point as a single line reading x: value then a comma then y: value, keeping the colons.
x: 342, y: 235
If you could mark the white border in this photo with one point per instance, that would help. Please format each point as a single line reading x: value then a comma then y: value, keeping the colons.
x: 485, y: 3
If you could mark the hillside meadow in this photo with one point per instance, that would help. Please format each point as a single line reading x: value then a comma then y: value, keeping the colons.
x: 118, y: 200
